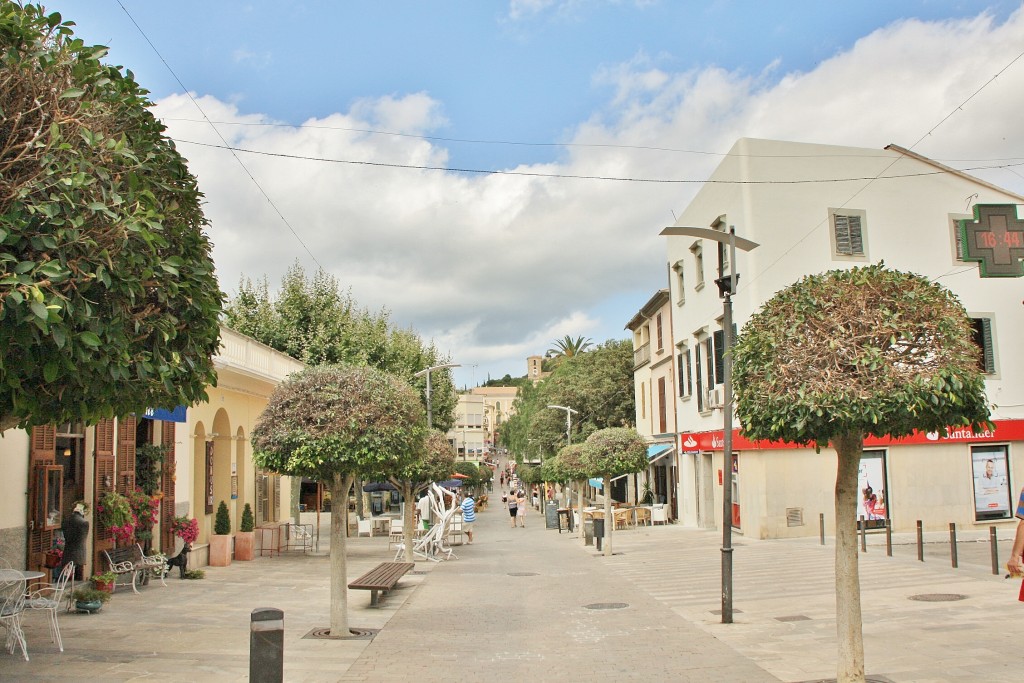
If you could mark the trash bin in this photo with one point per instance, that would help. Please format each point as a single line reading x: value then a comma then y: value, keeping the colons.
x: 588, y: 532
x: 599, y: 532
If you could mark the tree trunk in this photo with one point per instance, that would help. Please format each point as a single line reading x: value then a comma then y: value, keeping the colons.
x: 609, y: 521
x: 340, y: 487
x: 579, y: 508
x: 408, y: 520
x: 849, y: 625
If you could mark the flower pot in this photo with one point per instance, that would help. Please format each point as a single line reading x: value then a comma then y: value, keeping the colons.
x: 52, y: 559
x: 220, y: 550
x: 88, y: 607
x: 105, y: 586
x: 244, y: 542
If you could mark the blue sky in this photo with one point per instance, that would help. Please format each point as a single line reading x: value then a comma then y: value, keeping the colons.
x: 495, y: 267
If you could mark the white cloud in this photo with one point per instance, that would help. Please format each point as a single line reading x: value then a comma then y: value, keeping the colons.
x: 494, y: 267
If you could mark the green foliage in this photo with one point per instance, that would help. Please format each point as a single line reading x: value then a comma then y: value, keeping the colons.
x: 108, y: 299
x: 529, y: 474
x: 222, y: 522
x: 247, y: 522
x: 570, y: 464
x: 861, y: 351
x: 435, y: 462
x: 614, y: 451
x: 313, y: 321
x: 91, y: 595
x: 195, y: 574
x: 472, y: 472
x: 149, y: 460
x: 339, y: 420
x: 105, y: 577
x: 567, y: 346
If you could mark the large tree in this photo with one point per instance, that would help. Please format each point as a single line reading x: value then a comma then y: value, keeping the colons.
x: 846, y: 354
x: 610, y: 453
x: 108, y: 299
x: 332, y: 424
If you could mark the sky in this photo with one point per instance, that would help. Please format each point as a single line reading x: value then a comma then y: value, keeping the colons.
x: 495, y: 174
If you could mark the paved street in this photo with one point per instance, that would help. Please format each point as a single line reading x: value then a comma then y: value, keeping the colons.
x: 517, y: 604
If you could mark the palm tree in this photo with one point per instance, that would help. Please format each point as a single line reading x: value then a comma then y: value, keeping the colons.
x: 568, y: 347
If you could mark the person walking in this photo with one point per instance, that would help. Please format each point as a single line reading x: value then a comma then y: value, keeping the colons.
x: 521, y: 513
x: 468, y: 506
x: 512, y: 502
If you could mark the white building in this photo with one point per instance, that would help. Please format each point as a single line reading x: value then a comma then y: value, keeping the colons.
x: 864, y: 206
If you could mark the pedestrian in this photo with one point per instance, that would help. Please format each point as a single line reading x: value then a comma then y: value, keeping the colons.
x: 521, y: 514
x: 468, y: 506
x: 423, y: 510
x: 512, y: 502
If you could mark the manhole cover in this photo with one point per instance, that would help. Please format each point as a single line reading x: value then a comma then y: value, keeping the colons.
x: 795, y: 617
x: 938, y: 597
x: 606, y: 605
x: 522, y: 573
x: 356, y: 634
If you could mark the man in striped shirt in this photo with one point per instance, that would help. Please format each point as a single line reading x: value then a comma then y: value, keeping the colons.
x: 468, y: 516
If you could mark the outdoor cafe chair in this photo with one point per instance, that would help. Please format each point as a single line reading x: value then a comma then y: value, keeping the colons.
x: 12, y: 606
x: 49, y: 599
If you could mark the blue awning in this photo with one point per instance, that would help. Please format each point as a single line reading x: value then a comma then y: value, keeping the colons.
x: 597, y: 483
x: 175, y: 415
x: 655, y: 451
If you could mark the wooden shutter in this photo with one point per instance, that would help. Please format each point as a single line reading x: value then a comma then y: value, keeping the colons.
x: 126, y: 455
x: 277, y: 497
x: 849, y: 237
x: 105, y: 479
x: 167, y: 488
x: 700, y: 380
x: 983, y: 338
x: 719, y: 354
x: 42, y: 451
x: 662, y: 414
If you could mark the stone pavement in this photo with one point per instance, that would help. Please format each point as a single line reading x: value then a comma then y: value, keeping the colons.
x: 518, y: 604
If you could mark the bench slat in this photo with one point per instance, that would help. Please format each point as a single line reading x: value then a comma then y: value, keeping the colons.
x: 382, y: 577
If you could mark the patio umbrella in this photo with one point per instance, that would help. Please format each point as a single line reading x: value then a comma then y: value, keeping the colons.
x: 375, y: 486
x: 459, y: 475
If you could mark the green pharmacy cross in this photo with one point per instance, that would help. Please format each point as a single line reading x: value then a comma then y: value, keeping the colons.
x: 995, y: 238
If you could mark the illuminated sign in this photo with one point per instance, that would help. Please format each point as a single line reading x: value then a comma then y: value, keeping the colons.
x: 995, y: 238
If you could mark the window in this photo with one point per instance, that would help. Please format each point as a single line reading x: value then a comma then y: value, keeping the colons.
x: 698, y: 265
x: 848, y: 233
x: 657, y: 325
x: 705, y: 364
x: 685, y: 372
x: 984, y: 337
x: 954, y: 234
x: 700, y: 379
x: 680, y: 271
x: 662, y: 410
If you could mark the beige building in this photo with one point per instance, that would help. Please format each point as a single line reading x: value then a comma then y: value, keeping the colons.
x: 479, y: 415
x: 901, y: 209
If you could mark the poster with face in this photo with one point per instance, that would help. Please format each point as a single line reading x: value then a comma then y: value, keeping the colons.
x: 991, y: 483
x: 871, y: 484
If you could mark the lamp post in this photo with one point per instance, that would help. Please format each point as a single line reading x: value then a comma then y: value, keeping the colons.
x: 726, y: 288
x: 427, y: 371
x: 568, y: 421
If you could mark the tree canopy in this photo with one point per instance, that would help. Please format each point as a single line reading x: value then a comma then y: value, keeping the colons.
x: 614, y: 451
x: 568, y: 347
x: 850, y: 353
x: 312, y: 320
x: 108, y: 299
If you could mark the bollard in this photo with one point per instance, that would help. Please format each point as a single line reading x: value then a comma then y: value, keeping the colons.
x: 821, y: 527
x: 952, y: 544
x: 599, y: 533
x: 863, y: 535
x: 888, y: 537
x: 995, y: 549
x: 266, y: 645
x: 920, y: 542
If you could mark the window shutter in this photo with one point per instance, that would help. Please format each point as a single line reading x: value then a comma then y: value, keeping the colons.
x: 849, y: 235
x: 126, y: 455
x: 167, y: 488
x: 983, y: 338
x: 700, y: 381
x: 719, y: 356
x: 689, y: 374
x: 662, y: 408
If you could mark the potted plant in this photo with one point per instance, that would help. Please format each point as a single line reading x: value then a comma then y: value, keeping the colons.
x: 220, y: 539
x: 245, y: 539
x: 104, y: 582
x: 89, y: 600
x: 114, y: 512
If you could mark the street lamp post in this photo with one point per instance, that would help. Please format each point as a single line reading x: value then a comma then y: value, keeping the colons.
x: 568, y: 421
x: 427, y: 371
x: 726, y: 288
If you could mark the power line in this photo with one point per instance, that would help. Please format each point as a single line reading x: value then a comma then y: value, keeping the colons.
x: 571, y: 176
x: 215, y: 130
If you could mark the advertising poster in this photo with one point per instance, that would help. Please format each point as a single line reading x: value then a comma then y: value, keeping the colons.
x: 991, y: 482
x: 871, y: 484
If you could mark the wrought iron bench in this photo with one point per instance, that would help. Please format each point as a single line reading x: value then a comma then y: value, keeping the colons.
x: 131, y: 561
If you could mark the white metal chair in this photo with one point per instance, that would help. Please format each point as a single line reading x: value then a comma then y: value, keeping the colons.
x: 396, y: 535
x: 659, y: 515
x: 364, y: 526
x: 49, y: 598
x: 12, y: 606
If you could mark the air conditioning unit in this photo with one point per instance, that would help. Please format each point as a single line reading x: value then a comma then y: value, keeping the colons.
x: 715, y: 398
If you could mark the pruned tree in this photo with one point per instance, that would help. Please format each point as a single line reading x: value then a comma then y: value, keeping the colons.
x: 436, y: 462
x: 108, y: 299
x: 846, y: 354
x: 610, y: 453
x: 571, y: 466
x: 332, y: 423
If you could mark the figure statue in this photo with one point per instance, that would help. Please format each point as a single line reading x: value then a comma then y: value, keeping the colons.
x: 76, y: 530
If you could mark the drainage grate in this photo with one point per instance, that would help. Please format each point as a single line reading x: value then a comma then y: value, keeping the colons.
x: 418, y: 572
x: 606, y: 605
x: 795, y: 617
x: 356, y: 634
x: 938, y: 597
x: 794, y: 516
x: 522, y: 574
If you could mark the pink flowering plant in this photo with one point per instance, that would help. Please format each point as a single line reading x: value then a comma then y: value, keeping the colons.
x: 186, y: 529
x: 115, y: 513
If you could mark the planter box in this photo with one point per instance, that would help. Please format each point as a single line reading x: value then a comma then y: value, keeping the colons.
x: 244, y: 542
x: 105, y: 586
x: 220, y: 550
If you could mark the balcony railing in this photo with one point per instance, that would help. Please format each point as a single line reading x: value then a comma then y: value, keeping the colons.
x: 642, y: 355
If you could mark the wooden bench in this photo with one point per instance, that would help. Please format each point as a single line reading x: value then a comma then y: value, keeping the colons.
x: 132, y: 561
x: 383, y: 577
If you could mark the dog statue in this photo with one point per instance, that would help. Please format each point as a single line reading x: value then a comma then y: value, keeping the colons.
x: 180, y: 560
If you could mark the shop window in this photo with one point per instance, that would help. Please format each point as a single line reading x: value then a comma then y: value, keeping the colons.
x: 49, y: 502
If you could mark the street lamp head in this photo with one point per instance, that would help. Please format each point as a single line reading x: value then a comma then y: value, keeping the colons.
x: 426, y: 371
